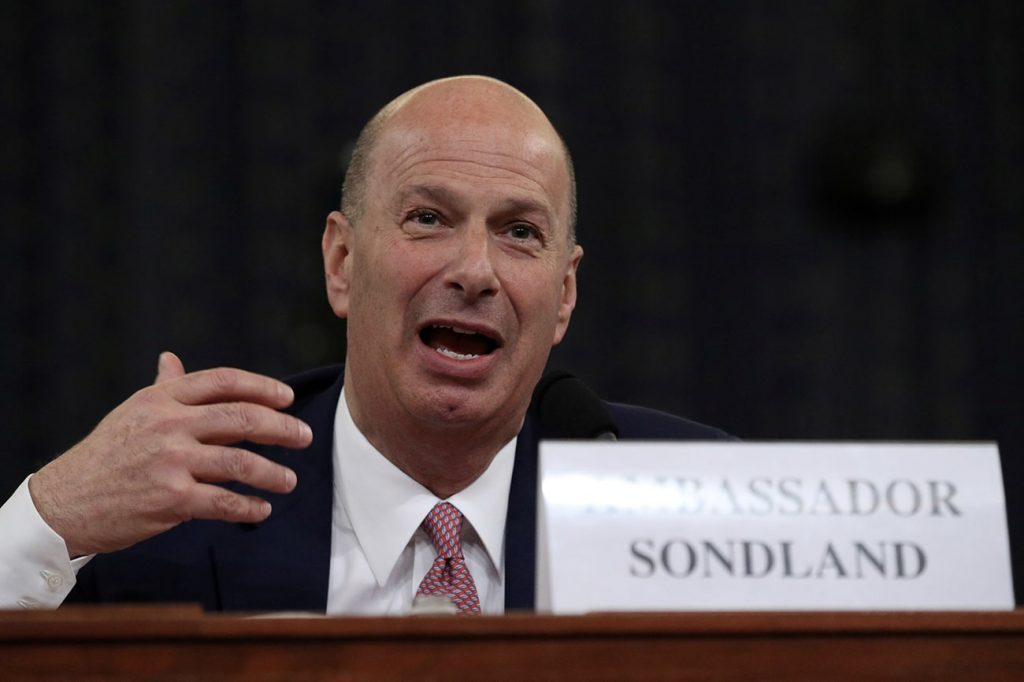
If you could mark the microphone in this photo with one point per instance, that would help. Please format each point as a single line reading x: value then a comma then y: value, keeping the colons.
x: 570, y: 410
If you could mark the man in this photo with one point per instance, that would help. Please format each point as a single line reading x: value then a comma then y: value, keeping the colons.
x: 454, y: 261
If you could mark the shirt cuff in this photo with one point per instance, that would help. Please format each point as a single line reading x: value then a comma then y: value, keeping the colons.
x: 35, y: 570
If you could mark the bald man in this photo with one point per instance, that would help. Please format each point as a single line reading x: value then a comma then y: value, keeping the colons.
x: 412, y: 470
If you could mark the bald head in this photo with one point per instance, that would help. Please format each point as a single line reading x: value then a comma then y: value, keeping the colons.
x: 459, y: 102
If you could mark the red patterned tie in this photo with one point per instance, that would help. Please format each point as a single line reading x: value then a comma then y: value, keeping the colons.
x: 449, y: 574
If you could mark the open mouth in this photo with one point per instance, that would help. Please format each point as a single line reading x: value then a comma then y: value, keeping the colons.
x: 457, y: 343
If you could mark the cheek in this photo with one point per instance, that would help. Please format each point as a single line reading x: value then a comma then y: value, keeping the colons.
x: 389, y: 286
x: 536, y: 297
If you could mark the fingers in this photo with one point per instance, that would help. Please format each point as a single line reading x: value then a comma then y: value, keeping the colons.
x: 225, y: 385
x: 214, y: 502
x: 216, y: 464
x: 235, y: 404
x: 155, y: 460
x: 168, y: 366
x: 224, y: 423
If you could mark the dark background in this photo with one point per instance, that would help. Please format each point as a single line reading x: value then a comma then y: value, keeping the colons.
x: 802, y: 220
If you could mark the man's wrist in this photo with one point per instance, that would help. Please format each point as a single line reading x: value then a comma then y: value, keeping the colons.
x: 39, y: 572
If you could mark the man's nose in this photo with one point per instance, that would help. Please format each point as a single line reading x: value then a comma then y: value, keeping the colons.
x: 472, y: 267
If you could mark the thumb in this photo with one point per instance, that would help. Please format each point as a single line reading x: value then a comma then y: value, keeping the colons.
x: 168, y: 366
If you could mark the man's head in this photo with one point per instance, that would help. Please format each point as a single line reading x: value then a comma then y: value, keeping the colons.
x: 454, y: 261
x: 353, y: 192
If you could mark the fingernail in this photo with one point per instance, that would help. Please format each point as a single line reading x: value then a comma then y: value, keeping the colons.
x: 265, y: 509
x: 306, y: 431
x: 289, y: 479
x: 286, y: 392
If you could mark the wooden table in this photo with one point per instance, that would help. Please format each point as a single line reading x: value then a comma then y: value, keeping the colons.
x: 181, y: 643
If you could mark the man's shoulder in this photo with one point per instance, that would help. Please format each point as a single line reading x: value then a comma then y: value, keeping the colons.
x: 644, y: 423
x: 311, y: 382
x: 315, y: 386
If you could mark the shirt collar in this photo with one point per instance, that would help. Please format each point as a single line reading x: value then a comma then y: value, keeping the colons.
x: 385, y: 506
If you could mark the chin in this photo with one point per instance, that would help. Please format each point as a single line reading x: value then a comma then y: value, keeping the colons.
x: 454, y: 406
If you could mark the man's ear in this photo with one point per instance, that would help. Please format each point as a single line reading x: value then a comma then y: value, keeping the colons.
x: 337, y: 249
x: 567, y: 302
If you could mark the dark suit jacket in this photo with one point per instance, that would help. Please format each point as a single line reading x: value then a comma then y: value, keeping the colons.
x: 283, y: 562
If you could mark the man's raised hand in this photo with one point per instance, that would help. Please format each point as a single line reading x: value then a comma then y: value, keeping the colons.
x: 152, y: 463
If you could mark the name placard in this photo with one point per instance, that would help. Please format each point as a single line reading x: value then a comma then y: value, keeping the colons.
x: 640, y: 526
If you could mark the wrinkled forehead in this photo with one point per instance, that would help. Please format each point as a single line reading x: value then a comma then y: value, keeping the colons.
x: 486, y: 123
x: 494, y: 142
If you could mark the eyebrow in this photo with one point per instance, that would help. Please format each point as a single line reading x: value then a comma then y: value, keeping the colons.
x: 519, y: 206
x: 443, y: 195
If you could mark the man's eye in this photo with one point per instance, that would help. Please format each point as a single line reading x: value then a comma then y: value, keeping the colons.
x: 428, y: 218
x: 522, y: 232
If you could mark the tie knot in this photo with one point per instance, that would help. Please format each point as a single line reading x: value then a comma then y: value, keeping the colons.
x: 444, y: 526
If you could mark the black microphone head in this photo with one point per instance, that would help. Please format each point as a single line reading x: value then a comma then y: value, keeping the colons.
x: 569, y: 409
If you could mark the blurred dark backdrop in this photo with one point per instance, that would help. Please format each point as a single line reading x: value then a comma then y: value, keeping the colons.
x: 802, y: 220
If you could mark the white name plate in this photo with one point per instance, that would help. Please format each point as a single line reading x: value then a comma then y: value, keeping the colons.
x: 641, y: 526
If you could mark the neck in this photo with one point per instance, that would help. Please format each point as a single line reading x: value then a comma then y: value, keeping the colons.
x: 443, y: 458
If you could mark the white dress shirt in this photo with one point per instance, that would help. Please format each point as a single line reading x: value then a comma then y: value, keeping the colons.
x: 35, y: 571
x: 379, y: 553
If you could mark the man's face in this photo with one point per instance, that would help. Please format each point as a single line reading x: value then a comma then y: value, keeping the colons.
x: 459, y: 277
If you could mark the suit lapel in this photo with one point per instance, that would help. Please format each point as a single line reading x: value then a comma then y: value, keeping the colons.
x: 521, y: 523
x: 284, y: 562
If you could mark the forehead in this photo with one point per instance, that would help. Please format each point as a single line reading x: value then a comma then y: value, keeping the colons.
x: 500, y: 144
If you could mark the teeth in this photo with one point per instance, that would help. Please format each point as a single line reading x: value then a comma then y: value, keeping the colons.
x: 453, y: 355
x: 457, y: 330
